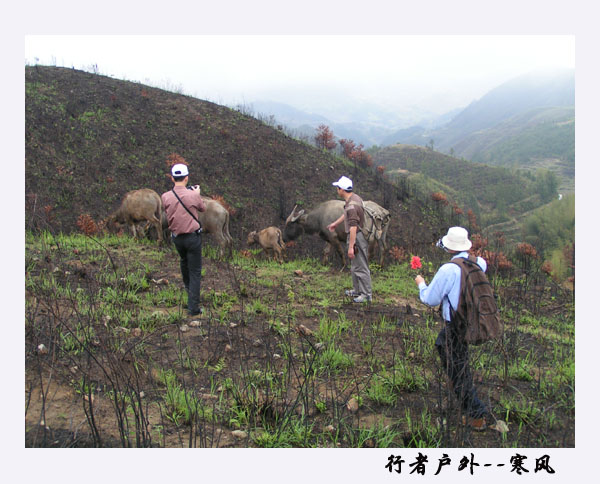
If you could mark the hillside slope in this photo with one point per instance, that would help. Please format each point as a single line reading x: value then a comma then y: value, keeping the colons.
x: 535, y: 90
x: 89, y: 139
x: 493, y: 193
x: 518, y: 123
x: 540, y: 138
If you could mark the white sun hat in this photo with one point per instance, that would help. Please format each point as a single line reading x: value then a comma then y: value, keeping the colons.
x: 179, y: 169
x: 457, y: 238
x: 344, y: 183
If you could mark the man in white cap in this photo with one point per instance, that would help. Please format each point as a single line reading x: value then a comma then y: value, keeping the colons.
x: 445, y: 288
x: 182, y: 205
x: 354, y: 219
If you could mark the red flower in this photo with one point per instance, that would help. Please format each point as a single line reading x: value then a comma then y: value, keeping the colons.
x: 415, y: 262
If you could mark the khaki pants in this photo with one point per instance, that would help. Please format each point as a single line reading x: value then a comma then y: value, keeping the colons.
x: 359, y: 267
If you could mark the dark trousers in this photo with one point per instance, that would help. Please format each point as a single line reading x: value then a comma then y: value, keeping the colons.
x: 189, y: 247
x: 454, y: 356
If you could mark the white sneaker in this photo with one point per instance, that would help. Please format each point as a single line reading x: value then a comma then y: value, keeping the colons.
x: 350, y: 293
x: 361, y: 298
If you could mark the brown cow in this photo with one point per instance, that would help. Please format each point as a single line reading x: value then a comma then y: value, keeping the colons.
x: 215, y: 221
x: 143, y: 205
x: 270, y: 239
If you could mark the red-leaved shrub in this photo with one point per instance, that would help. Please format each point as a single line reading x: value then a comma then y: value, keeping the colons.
x: 86, y: 224
x: 397, y: 253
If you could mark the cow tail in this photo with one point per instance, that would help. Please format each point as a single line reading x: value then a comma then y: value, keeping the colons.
x: 225, y: 230
x: 159, y: 210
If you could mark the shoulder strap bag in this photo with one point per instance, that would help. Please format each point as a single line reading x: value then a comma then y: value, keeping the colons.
x: 188, y: 210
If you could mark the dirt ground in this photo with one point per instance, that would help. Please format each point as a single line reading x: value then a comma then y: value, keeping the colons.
x: 56, y: 417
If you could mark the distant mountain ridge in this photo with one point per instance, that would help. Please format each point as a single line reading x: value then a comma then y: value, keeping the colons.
x: 365, y: 124
x: 531, y: 91
x: 541, y: 89
x: 526, y: 122
x: 288, y: 115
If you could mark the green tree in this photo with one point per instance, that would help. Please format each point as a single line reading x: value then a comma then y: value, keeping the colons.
x: 552, y: 226
x: 546, y: 185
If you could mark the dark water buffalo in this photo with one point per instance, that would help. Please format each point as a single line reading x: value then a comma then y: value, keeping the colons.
x: 138, y: 206
x: 316, y: 221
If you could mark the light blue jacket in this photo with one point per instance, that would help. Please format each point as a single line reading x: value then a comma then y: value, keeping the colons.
x: 446, y: 282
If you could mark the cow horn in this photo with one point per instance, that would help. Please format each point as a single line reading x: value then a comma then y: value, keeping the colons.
x: 297, y: 215
x: 293, y: 216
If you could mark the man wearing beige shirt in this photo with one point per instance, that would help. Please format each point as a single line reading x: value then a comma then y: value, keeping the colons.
x: 186, y: 231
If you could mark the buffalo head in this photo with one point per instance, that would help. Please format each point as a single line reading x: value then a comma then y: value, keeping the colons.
x: 293, y: 225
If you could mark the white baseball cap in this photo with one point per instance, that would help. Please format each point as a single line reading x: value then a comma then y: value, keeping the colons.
x: 344, y: 183
x: 179, y: 169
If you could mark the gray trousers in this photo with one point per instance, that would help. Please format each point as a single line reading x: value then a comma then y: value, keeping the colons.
x: 359, y: 267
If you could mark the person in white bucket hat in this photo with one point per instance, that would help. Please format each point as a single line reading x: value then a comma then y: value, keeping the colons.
x: 444, y: 289
x: 456, y: 239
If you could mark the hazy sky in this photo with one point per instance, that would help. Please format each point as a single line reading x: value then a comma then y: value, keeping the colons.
x: 439, y: 72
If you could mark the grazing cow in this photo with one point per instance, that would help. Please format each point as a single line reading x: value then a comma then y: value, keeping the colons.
x: 138, y: 206
x: 317, y: 220
x: 214, y: 220
x: 270, y: 239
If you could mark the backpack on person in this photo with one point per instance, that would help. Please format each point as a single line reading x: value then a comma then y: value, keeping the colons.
x: 481, y: 322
